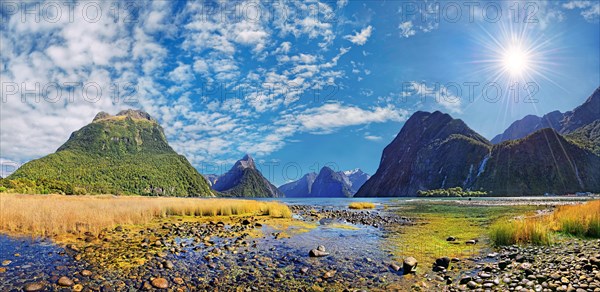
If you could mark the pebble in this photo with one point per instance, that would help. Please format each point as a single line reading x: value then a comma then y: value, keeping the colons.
x: 36, y: 286
x: 65, y: 282
x: 160, y: 283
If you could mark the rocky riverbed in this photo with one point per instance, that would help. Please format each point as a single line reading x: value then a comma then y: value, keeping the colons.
x: 570, y: 265
x: 323, y: 248
x: 249, y: 253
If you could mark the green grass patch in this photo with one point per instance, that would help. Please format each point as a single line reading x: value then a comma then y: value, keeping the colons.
x: 437, y: 221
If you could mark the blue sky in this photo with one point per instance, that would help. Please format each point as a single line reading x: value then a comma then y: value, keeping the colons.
x: 297, y: 85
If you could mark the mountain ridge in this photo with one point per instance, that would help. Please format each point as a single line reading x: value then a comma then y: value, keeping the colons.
x: 244, y: 180
x: 127, y: 153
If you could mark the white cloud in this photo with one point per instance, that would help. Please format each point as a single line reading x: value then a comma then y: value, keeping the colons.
x: 440, y: 94
x: 200, y: 66
x: 373, y: 137
x: 360, y: 38
x: 590, y: 10
x: 335, y: 115
x: 182, y: 74
x: 406, y: 29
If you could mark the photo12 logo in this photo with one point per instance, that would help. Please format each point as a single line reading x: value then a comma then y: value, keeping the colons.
x: 456, y: 93
x: 53, y: 92
x: 469, y: 11
x: 70, y: 11
x: 129, y: 11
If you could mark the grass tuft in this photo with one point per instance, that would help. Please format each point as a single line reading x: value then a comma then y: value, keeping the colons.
x: 361, y: 205
x: 579, y: 220
x: 53, y: 215
x: 525, y: 231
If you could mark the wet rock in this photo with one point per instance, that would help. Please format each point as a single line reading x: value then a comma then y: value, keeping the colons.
x: 472, y: 284
x: 37, y: 286
x: 595, y: 261
x: 395, y: 267
x: 503, y: 264
x: 77, y: 288
x: 160, y: 283
x: 318, y: 252
x: 86, y: 273
x: 409, y: 265
x: 6, y: 262
x: 246, y: 222
x: 442, y: 262
x: 168, y: 265
x: 65, y: 282
x: 178, y: 281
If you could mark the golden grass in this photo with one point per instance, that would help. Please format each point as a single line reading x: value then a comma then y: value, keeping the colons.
x: 361, y: 205
x: 52, y: 215
x: 579, y: 220
x: 522, y: 231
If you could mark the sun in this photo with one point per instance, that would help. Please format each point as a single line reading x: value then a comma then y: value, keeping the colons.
x: 515, y: 60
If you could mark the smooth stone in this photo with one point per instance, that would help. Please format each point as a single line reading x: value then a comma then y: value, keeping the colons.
x: 65, y: 282
x: 37, y: 286
x: 160, y: 283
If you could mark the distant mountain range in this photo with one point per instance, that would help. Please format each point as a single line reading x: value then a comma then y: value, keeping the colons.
x: 558, y: 153
x: 244, y: 180
x: 565, y: 123
x: 128, y: 154
x: 328, y: 183
x: 123, y: 154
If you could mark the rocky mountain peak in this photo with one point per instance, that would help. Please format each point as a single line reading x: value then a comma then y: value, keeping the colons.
x: 246, y: 162
x: 129, y: 113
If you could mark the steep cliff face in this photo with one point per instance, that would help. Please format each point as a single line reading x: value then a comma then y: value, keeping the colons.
x: 123, y: 154
x: 582, y: 115
x: 432, y: 150
x: 543, y: 162
x: 331, y: 184
x: 244, y: 180
x: 300, y: 188
x: 357, y: 178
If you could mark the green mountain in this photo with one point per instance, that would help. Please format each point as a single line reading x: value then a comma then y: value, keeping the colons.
x: 123, y: 154
x: 587, y: 137
x: 435, y: 151
x: 432, y: 151
x: 244, y: 180
x: 543, y: 162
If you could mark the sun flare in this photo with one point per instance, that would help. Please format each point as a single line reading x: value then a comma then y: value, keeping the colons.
x: 515, y: 60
